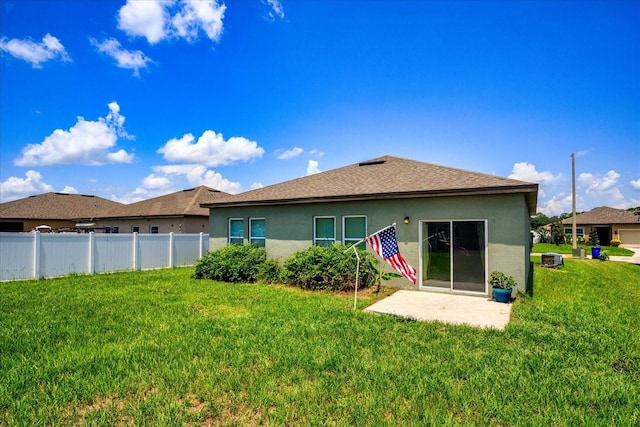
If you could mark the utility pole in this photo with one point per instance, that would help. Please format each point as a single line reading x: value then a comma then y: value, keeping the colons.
x: 574, y: 229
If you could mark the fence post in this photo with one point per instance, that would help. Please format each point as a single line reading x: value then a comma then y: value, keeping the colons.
x: 135, y: 251
x: 171, y: 249
x: 92, y: 249
x: 36, y: 255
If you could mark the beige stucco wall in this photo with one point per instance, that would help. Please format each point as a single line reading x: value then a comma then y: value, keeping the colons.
x: 290, y: 228
x: 189, y: 225
x: 55, y: 224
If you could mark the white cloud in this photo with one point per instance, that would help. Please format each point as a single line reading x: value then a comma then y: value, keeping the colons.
x: 69, y: 190
x: 127, y: 59
x: 156, y: 182
x: 312, y: 167
x: 143, y: 18
x: 16, y: 188
x: 597, y: 183
x: 35, y: 53
x: 86, y: 142
x: 558, y: 204
x: 199, y: 175
x: 158, y: 20
x: 289, y: 154
x: 210, y: 150
x: 199, y: 15
x: 256, y: 185
x: 276, y: 10
x: 316, y: 153
x: 215, y: 180
x: 527, y: 172
x: 635, y: 184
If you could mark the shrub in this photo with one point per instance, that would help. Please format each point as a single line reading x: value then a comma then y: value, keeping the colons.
x: 594, y: 239
x: 271, y: 272
x: 615, y: 242
x: 233, y: 264
x: 328, y: 268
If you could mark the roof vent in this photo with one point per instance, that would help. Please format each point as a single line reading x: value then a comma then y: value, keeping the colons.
x: 372, y: 162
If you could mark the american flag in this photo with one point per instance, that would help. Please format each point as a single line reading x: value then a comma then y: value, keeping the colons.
x: 385, y: 244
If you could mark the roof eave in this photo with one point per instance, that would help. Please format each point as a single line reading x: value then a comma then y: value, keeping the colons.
x: 531, y: 189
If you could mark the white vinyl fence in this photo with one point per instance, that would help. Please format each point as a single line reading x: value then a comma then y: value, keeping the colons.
x: 41, y: 255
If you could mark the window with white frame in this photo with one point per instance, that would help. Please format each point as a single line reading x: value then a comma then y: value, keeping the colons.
x: 257, y: 232
x: 324, y: 230
x: 354, y: 229
x: 236, y: 231
x: 579, y: 231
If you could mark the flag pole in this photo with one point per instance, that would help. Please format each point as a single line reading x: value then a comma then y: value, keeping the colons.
x: 355, y: 294
x: 355, y: 251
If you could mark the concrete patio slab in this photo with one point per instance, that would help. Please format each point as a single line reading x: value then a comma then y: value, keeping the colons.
x: 455, y: 309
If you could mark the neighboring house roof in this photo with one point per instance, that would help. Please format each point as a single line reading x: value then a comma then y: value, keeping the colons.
x: 604, y: 216
x: 181, y: 203
x: 381, y: 178
x: 56, y: 206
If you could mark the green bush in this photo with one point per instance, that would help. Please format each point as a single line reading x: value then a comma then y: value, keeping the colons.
x: 271, y: 272
x: 328, y: 268
x: 233, y: 264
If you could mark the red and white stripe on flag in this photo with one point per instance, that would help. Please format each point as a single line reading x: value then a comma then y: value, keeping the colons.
x: 385, y: 244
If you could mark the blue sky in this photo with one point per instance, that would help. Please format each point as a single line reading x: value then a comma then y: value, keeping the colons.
x: 130, y: 99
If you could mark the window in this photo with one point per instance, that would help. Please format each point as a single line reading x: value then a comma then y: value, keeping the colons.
x: 324, y: 230
x: 257, y: 231
x: 135, y: 229
x: 354, y: 228
x: 579, y: 231
x: 236, y: 231
x: 154, y: 229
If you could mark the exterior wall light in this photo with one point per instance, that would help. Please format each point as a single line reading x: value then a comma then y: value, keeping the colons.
x: 406, y: 220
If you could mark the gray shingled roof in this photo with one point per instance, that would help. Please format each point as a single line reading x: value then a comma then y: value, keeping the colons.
x: 604, y: 216
x: 56, y: 206
x: 383, y: 177
x: 181, y: 203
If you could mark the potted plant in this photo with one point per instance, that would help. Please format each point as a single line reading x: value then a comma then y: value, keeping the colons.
x: 502, y: 285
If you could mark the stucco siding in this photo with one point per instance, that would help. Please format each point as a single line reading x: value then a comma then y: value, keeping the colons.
x: 290, y: 227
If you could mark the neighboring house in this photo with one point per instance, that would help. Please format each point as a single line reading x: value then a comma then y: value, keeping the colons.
x: 178, y: 212
x: 610, y: 223
x: 452, y: 225
x: 59, y: 211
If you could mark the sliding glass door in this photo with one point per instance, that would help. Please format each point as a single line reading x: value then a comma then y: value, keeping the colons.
x: 453, y: 255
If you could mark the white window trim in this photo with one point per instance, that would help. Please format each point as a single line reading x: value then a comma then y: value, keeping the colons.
x: 579, y: 231
x: 315, y: 238
x: 229, y: 236
x: 251, y: 238
x: 344, y: 229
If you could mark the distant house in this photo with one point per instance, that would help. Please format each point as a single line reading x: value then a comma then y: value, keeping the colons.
x: 178, y: 212
x: 610, y: 223
x: 59, y: 211
x: 453, y: 226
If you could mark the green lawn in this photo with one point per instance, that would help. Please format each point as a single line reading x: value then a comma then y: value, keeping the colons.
x: 159, y: 348
x: 566, y: 249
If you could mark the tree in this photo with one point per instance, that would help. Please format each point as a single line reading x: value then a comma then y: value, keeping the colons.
x: 594, y: 240
x: 557, y: 233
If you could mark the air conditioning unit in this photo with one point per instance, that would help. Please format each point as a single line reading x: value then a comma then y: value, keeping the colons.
x: 551, y: 259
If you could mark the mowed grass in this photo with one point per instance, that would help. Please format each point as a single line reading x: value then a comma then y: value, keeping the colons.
x: 159, y: 348
x: 567, y: 249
